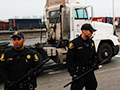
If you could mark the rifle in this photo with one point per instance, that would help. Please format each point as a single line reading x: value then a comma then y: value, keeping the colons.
x: 31, y: 71
x: 85, y: 73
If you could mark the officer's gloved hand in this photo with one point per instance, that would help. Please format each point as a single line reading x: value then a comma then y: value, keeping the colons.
x: 96, y: 67
x: 31, y: 73
x: 74, y: 77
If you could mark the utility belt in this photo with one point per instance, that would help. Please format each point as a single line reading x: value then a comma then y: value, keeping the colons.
x: 83, y: 68
x: 26, y: 85
x: 22, y: 86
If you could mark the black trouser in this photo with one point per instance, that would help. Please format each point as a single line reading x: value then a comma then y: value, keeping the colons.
x: 89, y: 81
x: 17, y: 88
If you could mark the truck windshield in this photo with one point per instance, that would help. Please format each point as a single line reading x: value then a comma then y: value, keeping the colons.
x: 54, y: 16
x: 80, y: 13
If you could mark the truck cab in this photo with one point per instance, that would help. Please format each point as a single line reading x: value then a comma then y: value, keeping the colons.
x: 64, y: 20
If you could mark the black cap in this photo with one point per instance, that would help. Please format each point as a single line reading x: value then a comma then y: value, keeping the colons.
x: 18, y: 34
x: 88, y: 26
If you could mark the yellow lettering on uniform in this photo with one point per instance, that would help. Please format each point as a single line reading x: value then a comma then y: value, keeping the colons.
x: 71, y: 46
x: 80, y: 47
x: 9, y: 59
x: 36, y: 57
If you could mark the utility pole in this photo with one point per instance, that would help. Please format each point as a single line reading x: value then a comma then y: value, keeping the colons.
x: 113, y: 16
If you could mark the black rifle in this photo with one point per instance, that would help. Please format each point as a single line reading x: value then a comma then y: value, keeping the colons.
x: 85, y: 73
x: 28, y: 74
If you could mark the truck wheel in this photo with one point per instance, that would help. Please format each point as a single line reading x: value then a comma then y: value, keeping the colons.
x: 42, y: 52
x: 104, y: 52
x: 39, y: 48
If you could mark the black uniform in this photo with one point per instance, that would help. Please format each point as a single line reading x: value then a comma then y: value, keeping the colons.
x: 14, y: 64
x: 80, y: 58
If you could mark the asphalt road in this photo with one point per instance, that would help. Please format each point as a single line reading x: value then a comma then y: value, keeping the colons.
x: 108, y: 76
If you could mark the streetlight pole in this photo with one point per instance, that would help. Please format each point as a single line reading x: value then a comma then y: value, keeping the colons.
x: 113, y: 16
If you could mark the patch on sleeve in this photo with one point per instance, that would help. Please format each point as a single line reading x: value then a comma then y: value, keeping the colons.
x: 36, y: 58
x: 71, y: 46
x: 2, y: 57
x: 92, y: 44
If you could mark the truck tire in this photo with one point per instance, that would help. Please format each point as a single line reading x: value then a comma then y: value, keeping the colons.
x: 42, y: 52
x: 104, y: 52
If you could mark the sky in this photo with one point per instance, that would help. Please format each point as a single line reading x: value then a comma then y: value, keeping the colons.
x: 36, y: 8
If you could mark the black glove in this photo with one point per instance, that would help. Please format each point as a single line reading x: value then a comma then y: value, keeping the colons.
x: 74, y: 77
x: 31, y: 73
x: 96, y: 67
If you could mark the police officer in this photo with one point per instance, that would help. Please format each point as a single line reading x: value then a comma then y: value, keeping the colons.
x: 81, y: 57
x: 16, y: 62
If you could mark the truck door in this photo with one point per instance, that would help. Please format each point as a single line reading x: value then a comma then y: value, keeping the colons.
x: 80, y: 17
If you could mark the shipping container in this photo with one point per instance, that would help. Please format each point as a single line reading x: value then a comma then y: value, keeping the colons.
x: 16, y: 24
x: 4, y: 25
x: 99, y: 19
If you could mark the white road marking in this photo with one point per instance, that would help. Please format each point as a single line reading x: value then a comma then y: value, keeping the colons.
x: 108, y: 70
x: 55, y: 72
x: 117, y: 55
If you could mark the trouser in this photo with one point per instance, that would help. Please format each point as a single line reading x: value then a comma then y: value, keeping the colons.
x: 17, y: 88
x: 23, y: 89
x: 88, y: 81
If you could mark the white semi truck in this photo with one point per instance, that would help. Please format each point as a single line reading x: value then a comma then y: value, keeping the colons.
x: 64, y: 19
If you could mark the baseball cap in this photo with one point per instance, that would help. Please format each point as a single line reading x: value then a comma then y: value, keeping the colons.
x: 17, y: 34
x: 88, y: 26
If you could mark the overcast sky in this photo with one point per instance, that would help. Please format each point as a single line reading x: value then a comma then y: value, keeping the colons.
x: 30, y: 8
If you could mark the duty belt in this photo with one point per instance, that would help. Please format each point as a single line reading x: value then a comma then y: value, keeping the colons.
x: 83, y: 68
x: 26, y: 85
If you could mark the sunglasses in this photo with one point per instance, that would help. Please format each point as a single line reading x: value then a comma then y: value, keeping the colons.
x: 18, y: 38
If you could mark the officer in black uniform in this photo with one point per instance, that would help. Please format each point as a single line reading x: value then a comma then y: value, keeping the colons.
x: 81, y: 57
x: 16, y: 62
